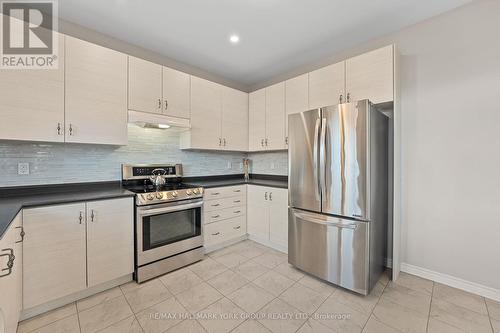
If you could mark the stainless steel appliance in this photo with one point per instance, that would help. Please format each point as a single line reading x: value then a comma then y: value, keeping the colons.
x: 169, y: 219
x: 338, y: 193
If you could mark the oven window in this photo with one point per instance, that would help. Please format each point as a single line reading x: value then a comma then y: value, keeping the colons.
x: 167, y: 228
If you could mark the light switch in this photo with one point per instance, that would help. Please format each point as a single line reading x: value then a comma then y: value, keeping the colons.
x: 23, y: 168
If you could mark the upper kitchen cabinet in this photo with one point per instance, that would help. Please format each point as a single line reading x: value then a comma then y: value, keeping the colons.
x: 234, y: 119
x: 257, y: 120
x: 371, y: 76
x: 32, y: 103
x: 219, y: 118
x: 327, y: 86
x: 96, y: 94
x: 206, y: 107
x: 176, y: 93
x: 296, y: 97
x: 275, y: 117
x: 144, y: 86
x: 267, y: 118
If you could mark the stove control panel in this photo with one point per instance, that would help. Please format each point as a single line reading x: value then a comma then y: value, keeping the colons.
x: 167, y: 196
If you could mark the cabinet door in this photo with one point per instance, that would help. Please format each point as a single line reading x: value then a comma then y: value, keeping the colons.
x: 258, y: 212
x: 296, y: 97
x: 110, y: 240
x: 96, y: 94
x: 144, y: 86
x: 54, y: 253
x: 234, y: 119
x: 278, y: 216
x: 176, y: 93
x: 370, y: 76
x: 275, y: 116
x: 326, y: 85
x: 11, y: 283
x: 257, y: 120
x: 32, y: 103
x: 206, y: 106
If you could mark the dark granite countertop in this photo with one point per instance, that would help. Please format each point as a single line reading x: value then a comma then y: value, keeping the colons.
x: 231, y: 180
x: 13, y: 199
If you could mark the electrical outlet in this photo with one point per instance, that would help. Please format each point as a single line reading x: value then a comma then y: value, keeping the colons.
x: 23, y: 168
x: 241, y: 166
x: 229, y: 165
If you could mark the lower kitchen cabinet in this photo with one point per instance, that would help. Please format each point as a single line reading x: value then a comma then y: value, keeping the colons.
x: 110, y: 242
x: 70, y: 247
x: 267, y: 217
x: 11, y: 276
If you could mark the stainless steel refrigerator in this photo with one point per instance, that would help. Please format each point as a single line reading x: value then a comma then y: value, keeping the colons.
x: 338, y: 193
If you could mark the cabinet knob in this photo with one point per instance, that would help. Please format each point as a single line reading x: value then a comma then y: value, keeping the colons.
x: 71, y: 129
x: 80, y: 217
x: 166, y: 105
x: 10, y: 261
x: 159, y: 103
x: 265, y: 196
x: 59, y: 129
x: 271, y: 196
x: 92, y: 215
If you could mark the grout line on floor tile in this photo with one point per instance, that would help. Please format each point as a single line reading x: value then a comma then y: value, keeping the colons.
x: 54, y: 321
x: 489, y: 316
x: 430, y: 307
x: 133, y: 313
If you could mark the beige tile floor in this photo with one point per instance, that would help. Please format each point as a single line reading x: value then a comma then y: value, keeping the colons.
x: 251, y: 288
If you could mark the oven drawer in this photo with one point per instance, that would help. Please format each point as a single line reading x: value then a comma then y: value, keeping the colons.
x: 219, y: 204
x: 224, y: 214
x: 222, y: 231
x: 224, y: 192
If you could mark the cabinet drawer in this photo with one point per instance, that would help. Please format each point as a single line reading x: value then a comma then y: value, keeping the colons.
x: 222, y: 231
x: 223, y: 203
x: 224, y: 214
x: 224, y: 192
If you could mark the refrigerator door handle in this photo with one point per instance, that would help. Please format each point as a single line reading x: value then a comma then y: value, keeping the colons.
x: 325, y: 220
x: 322, y: 157
x: 316, y: 158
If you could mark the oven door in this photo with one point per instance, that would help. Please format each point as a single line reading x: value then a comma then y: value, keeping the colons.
x: 168, y: 229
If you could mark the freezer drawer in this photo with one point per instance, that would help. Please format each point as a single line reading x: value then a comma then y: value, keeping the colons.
x: 331, y: 248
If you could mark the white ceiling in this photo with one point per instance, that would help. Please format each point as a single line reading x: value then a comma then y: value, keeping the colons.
x: 276, y: 36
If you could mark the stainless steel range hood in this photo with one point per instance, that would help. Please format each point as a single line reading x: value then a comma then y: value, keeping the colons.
x: 152, y: 120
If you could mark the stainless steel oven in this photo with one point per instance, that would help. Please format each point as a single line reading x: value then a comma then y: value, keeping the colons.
x: 168, y: 236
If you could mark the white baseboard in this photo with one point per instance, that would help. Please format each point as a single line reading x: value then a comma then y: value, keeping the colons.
x: 452, y: 281
x: 215, y: 247
x: 268, y: 243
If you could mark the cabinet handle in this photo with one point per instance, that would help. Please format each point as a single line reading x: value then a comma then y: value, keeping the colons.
x: 286, y: 140
x: 70, y: 129
x: 237, y: 191
x: 220, y: 142
x: 217, y: 233
x: 266, y: 142
x: 10, y: 262
x: 80, y: 217
x: 58, y: 128
x: 265, y: 196
x: 166, y: 105
x: 271, y: 196
x: 238, y: 227
x: 237, y: 201
x: 262, y: 142
x: 159, y: 103
x: 215, y: 216
x: 215, y: 205
x: 237, y: 212
x: 341, y: 99
x: 348, y: 97
x: 215, y: 193
x: 224, y: 141
x: 92, y: 215
x: 22, y: 233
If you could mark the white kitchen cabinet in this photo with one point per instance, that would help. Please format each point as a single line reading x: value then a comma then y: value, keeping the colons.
x: 54, y: 253
x: 95, y: 94
x: 32, y: 103
x: 110, y: 240
x: 267, y: 217
x: 234, y: 128
x: 206, y: 106
x: 257, y: 120
x: 371, y: 76
x: 176, y: 93
x: 11, y: 279
x: 144, y: 86
x: 275, y: 117
x: 327, y: 86
x: 71, y: 247
x: 297, y: 97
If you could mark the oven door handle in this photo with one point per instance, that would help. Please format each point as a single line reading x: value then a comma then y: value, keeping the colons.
x: 156, y: 211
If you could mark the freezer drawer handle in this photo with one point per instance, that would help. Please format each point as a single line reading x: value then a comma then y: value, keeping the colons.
x: 326, y: 222
x: 10, y: 262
